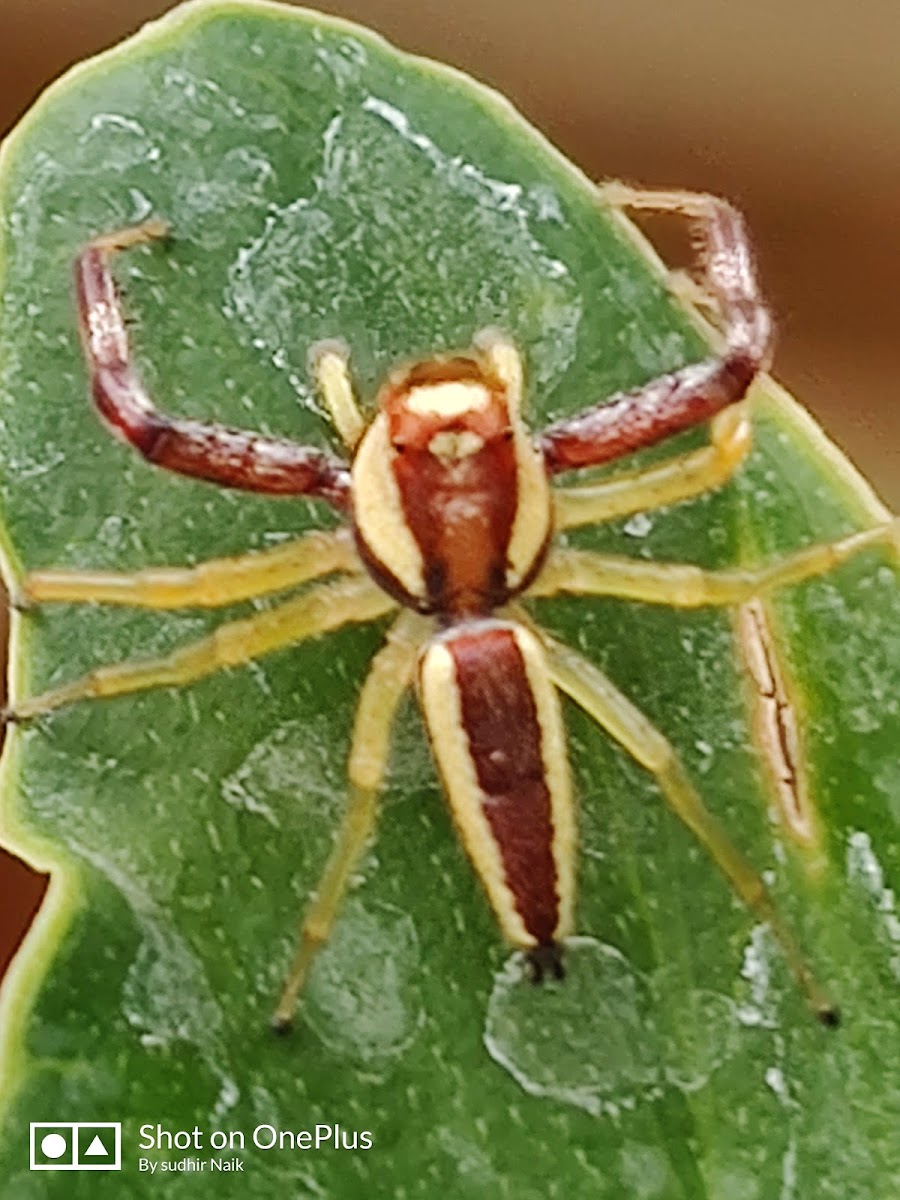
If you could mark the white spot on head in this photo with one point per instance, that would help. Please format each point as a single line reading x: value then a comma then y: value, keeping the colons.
x: 448, y: 399
x: 450, y: 446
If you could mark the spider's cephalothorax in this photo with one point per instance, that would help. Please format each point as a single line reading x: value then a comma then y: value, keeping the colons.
x: 451, y: 514
x: 451, y: 501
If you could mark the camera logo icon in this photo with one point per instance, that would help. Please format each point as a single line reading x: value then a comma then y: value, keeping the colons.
x: 76, y: 1146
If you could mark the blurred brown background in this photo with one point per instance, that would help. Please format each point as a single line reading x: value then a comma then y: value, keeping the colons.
x: 790, y: 109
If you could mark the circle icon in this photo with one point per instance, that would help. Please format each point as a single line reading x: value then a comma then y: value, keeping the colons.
x: 54, y: 1145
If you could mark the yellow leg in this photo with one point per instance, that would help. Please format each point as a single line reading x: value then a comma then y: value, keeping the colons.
x: 210, y: 584
x: 680, y: 585
x: 680, y: 479
x: 317, y: 611
x: 390, y: 675
x: 132, y: 235
x: 688, y: 290
x: 593, y: 692
x: 329, y: 364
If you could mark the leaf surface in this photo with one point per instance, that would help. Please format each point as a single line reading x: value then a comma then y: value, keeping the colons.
x: 320, y: 184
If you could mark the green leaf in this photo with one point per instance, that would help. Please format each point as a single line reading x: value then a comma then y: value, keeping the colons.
x: 322, y: 185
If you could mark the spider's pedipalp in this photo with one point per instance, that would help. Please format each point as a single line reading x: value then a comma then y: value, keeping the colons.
x: 329, y: 363
x: 506, y: 361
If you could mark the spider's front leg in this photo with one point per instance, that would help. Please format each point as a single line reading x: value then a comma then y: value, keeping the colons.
x: 229, y: 457
x: 695, y: 393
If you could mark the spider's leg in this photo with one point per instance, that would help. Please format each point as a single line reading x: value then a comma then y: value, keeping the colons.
x: 230, y: 457
x: 211, y: 584
x: 687, y: 397
x: 390, y: 674
x: 682, y: 585
x: 329, y: 364
x: 592, y: 691
x: 679, y: 479
x: 319, y: 610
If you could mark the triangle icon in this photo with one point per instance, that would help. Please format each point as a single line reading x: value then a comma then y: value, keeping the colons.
x: 96, y: 1146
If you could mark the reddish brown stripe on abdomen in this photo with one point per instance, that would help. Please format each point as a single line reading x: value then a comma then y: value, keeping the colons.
x: 504, y: 734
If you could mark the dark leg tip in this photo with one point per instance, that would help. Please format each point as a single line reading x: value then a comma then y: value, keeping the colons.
x: 20, y: 603
x: 830, y: 1017
x: 545, y: 960
x: 10, y: 716
x: 282, y: 1026
x: 153, y: 229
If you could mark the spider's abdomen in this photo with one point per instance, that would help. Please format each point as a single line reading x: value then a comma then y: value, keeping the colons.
x: 450, y: 498
x: 495, y: 727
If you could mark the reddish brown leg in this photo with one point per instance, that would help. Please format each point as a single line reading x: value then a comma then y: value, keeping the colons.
x: 229, y: 457
x: 677, y: 401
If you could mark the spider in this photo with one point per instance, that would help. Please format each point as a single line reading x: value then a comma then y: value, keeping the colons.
x: 450, y: 517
